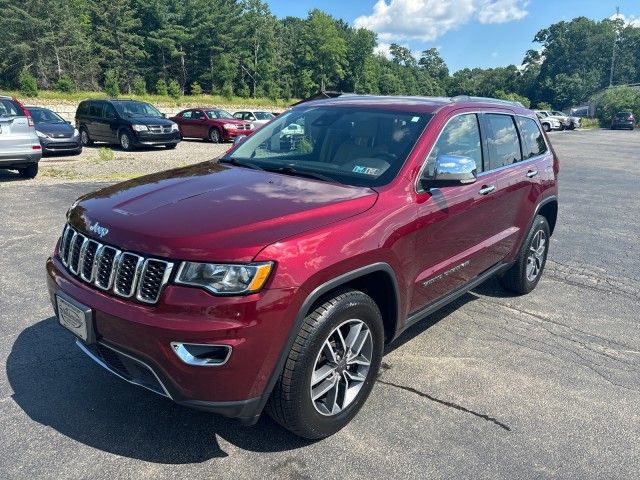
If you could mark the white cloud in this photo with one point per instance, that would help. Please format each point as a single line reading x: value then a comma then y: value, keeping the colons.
x: 631, y: 20
x: 383, y: 49
x: 426, y: 20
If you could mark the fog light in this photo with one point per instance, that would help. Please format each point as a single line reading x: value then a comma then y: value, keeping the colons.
x: 200, y: 354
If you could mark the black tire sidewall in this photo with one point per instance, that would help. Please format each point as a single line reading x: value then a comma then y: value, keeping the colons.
x: 539, y: 223
x: 356, y: 306
x: 83, y: 133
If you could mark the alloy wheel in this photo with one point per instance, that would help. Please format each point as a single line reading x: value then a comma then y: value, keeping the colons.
x: 535, y: 259
x: 84, y: 138
x: 124, y: 141
x: 341, y: 368
x: 214, y: 135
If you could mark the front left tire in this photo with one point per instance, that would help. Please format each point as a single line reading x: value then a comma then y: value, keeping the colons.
x: 331, y: 368
x: 125, y: 141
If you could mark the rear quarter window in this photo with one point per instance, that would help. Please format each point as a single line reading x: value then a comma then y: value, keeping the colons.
x: 533, y: 143
x: 95, y: 109
x: 9, y: 108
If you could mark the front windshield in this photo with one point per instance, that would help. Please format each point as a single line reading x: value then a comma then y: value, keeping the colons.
x: 136, y: 109
x: 41, y: 115
x: 264, y: 115
x: 213, y: 114
x: 351, y: 145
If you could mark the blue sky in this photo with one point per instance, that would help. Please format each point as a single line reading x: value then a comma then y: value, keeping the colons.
x: 468, y: 33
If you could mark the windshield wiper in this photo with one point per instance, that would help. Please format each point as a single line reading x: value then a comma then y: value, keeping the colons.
x: 240, y: 163
x: 301, y: 173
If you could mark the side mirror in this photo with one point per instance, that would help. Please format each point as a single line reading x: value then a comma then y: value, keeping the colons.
x: 164, y: 115
x: 451, y: 170
x: 239, y: 139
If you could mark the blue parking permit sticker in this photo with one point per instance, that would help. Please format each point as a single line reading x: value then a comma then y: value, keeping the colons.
x: 366, y: 170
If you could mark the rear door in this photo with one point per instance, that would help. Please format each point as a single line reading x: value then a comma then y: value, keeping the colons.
x: 200, y: 124
x: 107, y: 124
x: 456, y: 231
x: 16, y: 135
x: 93, y: 121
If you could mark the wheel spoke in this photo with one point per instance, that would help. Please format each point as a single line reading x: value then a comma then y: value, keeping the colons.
x: 359, y: 343
x: 342, y: 340
x: 324, y: 387
x: 321, y: 373
x: 329, y: 352
x: 355, y: 376
x: 352, y: 336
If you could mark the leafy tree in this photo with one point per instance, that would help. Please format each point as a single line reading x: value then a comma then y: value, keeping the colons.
x: 28, y: 84
x: 196, y: 89
x: 65, y: 84
x: 161, y: 87
x: 139, y: 86
x: 616, y: 99
x: 112, y: 83
x: 174, y: 90
x: 329, y: 61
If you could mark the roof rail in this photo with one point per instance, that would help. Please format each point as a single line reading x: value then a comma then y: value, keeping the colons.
x: 467, y: 98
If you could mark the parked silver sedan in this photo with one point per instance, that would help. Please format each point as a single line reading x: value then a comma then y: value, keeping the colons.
x: 20, y: 148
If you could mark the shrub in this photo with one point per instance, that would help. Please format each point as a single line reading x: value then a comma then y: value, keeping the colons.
x: 543, y: 106
x: 161, y: 87
x: 616, y: 99
x: 227, y: 91
x: 112, y: 84
x: 590, y: 123
x: 196, y: 89
x: 105, y: 154
x: 174, y: 90
x: 65, y: 84
x: 139, y: 86
x: 27, y: 83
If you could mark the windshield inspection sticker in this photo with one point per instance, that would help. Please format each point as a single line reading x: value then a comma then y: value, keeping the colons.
x: 366, y: 170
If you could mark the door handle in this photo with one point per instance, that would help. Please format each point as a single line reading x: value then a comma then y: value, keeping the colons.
x: 532, y: 173
x: 487, y: 189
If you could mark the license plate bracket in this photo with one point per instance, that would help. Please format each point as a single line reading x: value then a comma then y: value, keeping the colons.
x: 75, y: 317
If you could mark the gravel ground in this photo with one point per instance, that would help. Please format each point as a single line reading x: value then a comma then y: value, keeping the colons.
x: 545, y: 385
x: 106, y: 163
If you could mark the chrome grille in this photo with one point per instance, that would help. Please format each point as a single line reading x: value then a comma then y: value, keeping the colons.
x: 125, y: 274
x: 160, y: 128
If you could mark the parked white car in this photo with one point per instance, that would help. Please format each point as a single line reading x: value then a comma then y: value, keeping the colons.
x: 548, y: 122
x: 256, y: 117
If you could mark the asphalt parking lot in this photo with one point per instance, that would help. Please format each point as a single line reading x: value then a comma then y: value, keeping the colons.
x: 541, y: 386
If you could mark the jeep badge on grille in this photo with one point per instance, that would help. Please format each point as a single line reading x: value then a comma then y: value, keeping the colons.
x: 99, y: 230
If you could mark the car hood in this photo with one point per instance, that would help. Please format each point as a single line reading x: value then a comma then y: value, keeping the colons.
x: 149, y: 120
x: 214, y: 212
x: 55, y: 129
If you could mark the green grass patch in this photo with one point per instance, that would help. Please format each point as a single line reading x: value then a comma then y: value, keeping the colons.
x: 590, y: 123
x: 60, y: 173
x: 105, y: 154
x: 163, y: 100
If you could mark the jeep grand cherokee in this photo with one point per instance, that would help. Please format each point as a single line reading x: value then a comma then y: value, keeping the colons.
x: 274, y: 277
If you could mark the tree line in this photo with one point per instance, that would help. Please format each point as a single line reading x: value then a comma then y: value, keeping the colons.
x: 239, y: 48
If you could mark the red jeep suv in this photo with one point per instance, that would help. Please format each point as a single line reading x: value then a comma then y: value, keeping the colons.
x: 273, y: 278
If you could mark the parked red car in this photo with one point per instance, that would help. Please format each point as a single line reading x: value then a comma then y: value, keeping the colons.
x: 275, y: 277
x: 211, y: 124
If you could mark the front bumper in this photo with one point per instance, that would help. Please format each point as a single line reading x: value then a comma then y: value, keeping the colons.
x: 54, y: 145
x: 228, y: 134
x: 149, y: 139
x: 255, y: 326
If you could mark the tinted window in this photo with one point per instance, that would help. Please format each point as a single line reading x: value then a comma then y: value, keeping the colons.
x: 95, y: 109
x: 197, y: 115
x: 186, y: 114
x: 238, y: 115
x: 532, y: 139
x: 43, y: 115
x: 83, y: 109
x: 352, y: 145
x: 213, y: 114
x: 109, y: 111
x: 502, y: 140
x: 461, y: 137
x: 132, y: 109
x: 9, y: 108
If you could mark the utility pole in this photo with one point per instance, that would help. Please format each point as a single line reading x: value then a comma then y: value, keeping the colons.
x: 613, y: 53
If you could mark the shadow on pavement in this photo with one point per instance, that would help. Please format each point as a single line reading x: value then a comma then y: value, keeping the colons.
x: 58, y: 386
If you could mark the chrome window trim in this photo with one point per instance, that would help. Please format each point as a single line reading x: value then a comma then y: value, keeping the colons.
x: 136, y: 274
x: 163, y: 283
x: 61, y: 250
x: 419, y: 189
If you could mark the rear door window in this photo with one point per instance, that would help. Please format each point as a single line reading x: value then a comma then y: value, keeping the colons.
x: 502, y: 140
x: 9, y: 108
x: 95, y: 109
x: 109, y: 112
x: 533, y: 143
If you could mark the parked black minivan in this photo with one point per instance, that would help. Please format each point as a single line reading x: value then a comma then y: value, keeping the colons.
x: 128, y: 123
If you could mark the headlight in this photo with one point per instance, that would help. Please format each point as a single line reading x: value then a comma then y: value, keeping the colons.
x: 76, y: 132
x: 225, y: 279
x: 174, y: 127
x: 230, y: 126
x: 41, y: 135
x: 140, y: 128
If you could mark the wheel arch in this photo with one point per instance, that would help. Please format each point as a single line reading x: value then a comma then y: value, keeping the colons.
x: 548, y: 208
